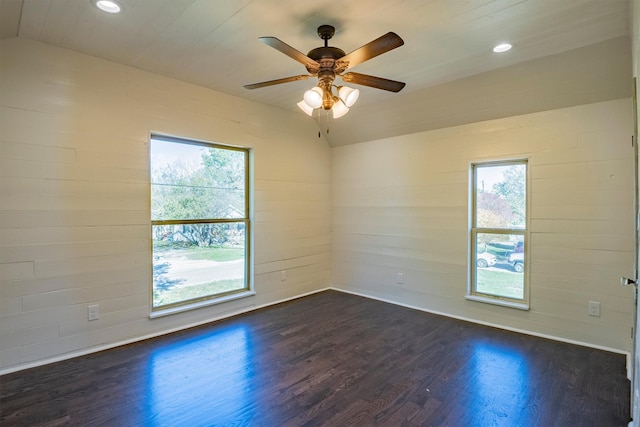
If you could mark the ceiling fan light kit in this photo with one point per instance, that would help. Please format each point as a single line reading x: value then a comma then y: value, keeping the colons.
x: 339, y: 109
x: 313, y: 97
x: 348, y: 95
x: 326, y: 63
x: 304, y: 107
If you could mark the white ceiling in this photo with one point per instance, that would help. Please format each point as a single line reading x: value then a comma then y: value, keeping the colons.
x: 214, y: 43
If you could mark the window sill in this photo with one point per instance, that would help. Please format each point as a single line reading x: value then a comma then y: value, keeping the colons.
x: 199, y: 304
x: 495, y: 301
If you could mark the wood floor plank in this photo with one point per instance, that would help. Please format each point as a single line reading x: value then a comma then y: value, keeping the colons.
x: 329, y: 359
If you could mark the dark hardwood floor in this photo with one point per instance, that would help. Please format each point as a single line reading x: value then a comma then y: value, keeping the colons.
x: 330, y: 359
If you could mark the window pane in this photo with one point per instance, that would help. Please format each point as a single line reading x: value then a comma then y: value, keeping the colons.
x: 193, y: 261
x: 499, y: 268
x: 501, y: 196
x: 194, y: 182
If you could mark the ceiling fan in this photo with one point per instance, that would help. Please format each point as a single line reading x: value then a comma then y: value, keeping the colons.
x: 327, y: 62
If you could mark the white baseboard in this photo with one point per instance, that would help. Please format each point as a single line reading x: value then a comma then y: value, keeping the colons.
x: 103, y: 347
x: 498, y: 326
x: 96, y: 349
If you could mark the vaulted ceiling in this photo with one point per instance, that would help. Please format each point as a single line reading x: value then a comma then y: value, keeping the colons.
x: 566, y: 52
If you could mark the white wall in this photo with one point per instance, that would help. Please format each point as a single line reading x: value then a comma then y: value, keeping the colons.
x: 74, y: 217
x: 401, y: 205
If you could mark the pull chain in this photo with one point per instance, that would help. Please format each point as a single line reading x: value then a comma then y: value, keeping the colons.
x: 326, y: 121
x: 327, y: 117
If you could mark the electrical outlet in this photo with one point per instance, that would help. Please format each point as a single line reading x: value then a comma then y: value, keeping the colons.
x: 94, y: 312
x: 594, y: 308
x: 400, y: 278
x: 283, y: 275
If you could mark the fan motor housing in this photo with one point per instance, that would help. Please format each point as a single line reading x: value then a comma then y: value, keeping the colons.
x: 326, y: 52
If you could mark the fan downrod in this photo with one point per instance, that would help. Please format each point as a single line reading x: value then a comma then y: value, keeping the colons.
x: 326, y: 32
x: 326, y: 52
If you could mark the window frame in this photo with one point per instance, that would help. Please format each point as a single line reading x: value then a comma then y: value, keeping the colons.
x: 212, y: 299
x: 472, y: 293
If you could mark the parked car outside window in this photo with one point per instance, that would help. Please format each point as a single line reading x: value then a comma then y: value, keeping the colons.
x: 485, y: 259
x: 516, y: 259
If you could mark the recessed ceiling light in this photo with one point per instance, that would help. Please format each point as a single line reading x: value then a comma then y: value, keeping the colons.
x: 502, y: 47
x: 109, y: 6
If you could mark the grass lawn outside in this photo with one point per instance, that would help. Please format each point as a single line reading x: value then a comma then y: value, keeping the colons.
x: 184, y: 293
x: 500, y: 283
x: 183, y: 273
x: 211, y: 253
x: 215, y: 254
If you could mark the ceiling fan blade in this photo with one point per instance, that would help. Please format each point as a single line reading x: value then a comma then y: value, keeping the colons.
x: 277, y: 81
x: 290, y: 52
x: 372, y: 49
x: 373, y: 81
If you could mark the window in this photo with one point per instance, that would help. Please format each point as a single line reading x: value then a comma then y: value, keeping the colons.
x: 200, y: 222
x: 499, y: 233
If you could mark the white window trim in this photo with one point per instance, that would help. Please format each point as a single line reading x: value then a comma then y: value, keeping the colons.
x: 472, y: 295
x: 206, y: 303
x: 249, y: 265
x: 498, y: 301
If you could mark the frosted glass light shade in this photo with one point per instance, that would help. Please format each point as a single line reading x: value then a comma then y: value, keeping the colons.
x: 339, y: 109
x: 304, y: 107
x: 348, y: 95
x: 313, y: 97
